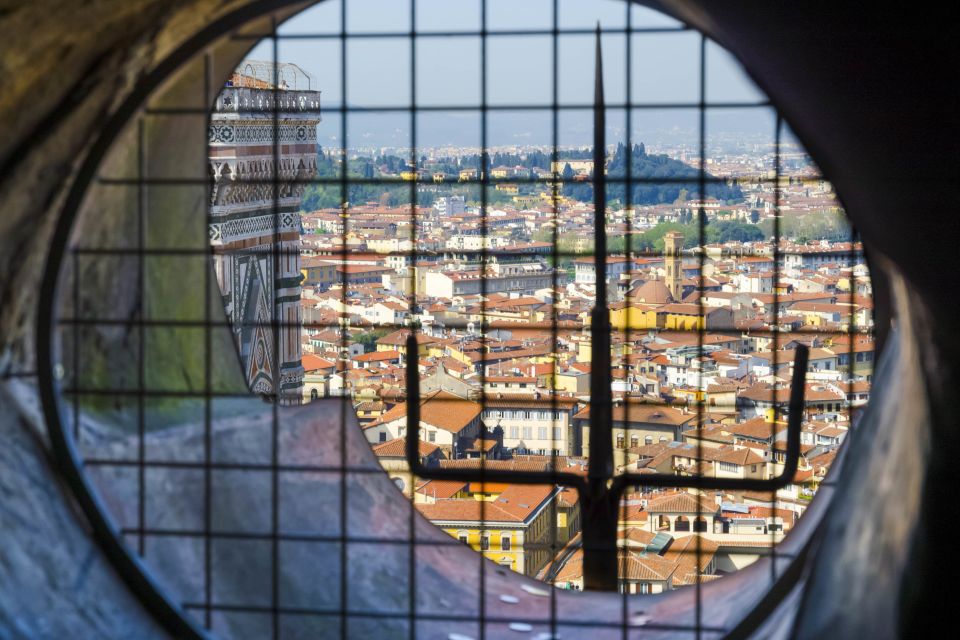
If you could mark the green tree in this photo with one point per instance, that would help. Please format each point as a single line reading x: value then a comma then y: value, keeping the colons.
x: 369, y: 338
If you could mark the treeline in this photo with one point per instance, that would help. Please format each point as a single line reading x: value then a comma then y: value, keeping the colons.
x: 328, y: 195
x: 647, y: 167
x: 530, y: 160
x: 643, y: 166
x: 808, y: 227
x: 651, y: 240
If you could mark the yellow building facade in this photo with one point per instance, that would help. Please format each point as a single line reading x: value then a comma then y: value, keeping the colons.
x: 683, y: 321
x: 522, y: 546
x: 623, y: 317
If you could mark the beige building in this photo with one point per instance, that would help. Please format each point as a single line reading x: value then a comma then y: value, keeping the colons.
x: 635, y: 425
x: 683, y: 513
x: 448, y: 421
x: 392, y: 455
x: 532, y: 426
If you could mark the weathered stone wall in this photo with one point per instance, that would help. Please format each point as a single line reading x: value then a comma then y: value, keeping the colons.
x: 67, y: 66
x: 54, y: 580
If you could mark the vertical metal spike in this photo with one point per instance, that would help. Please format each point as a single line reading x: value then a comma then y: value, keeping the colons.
x: 600, y: 506
x: 599, y: 177
x: 601, y: 448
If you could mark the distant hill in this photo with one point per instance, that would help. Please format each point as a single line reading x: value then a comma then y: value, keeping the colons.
x: 646, y: 166
x: 393, y: 192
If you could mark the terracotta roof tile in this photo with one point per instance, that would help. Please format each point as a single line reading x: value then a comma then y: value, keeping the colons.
x: 396, y: 448
x: 442, y: 409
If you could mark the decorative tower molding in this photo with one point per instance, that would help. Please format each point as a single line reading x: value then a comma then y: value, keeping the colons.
x: 262, y: 150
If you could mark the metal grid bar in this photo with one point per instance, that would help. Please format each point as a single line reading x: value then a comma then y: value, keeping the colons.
x: 278, y: 374
x: 468, y: 253
x: 554, y: 276
x: 702, y: 241
x: 207, y: 408
x: 177, y: 182
x: 485, y: 172
x: 412, y: 554
x: 344, y: 406
x: 141, y: 353
x: 776, y: 304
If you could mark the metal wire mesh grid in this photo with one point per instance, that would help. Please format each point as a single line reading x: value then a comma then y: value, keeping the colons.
x: 140, y: 392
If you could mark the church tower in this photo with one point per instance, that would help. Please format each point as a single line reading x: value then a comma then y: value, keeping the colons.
x: 254, y: 223
x: 673, y: 263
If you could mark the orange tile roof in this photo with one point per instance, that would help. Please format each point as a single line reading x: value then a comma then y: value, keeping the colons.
x: 518, y: 463
x: 396, y: 448
x: 647, y: 413
x: 443, y: 410
x: 637, y: 535
x: 399, y: 338
x: 311, y: 362
x: 681, y: 502
x: 442, y: 489
x: 377, y: 356
x: 684, y: 554
x: 516, y: 505
x: 728, y: 453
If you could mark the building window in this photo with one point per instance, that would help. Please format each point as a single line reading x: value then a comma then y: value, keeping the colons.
x: 648, y: 440
x: 432, y: 436
x: 485, y: 542
x: 463, y: 537
x: 383, y: 436
x: 619, y: 441
x: 505, y: 543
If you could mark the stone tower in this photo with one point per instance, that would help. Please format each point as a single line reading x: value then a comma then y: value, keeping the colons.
x: 673, y: 263
x: 254, y: 224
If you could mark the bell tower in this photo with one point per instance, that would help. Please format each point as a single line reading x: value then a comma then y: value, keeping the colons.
x: 673, y: 263
x: 262, y: 151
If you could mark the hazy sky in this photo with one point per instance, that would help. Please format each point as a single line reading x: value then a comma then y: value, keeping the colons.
x: 664, y: 68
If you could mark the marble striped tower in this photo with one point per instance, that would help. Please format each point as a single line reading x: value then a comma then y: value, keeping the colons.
x: 254, y: 230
